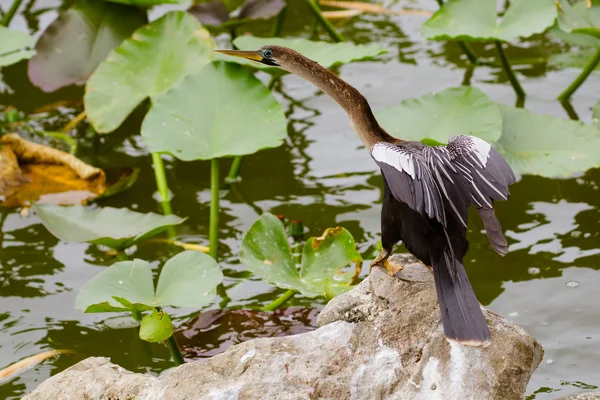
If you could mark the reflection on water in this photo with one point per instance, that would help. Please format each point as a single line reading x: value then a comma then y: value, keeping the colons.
x: 323, y: 176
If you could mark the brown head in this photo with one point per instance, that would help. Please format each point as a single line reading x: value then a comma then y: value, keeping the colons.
x: 274, y: 56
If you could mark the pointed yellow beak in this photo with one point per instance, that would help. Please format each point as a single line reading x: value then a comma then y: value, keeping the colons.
x: 249, y: 55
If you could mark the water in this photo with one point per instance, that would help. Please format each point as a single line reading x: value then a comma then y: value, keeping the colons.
x: 325, y: 177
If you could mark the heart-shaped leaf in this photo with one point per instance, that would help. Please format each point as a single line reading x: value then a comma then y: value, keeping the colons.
x: 189, y: 279
x: 457, y: 111
x: 13, y: 46
x: 81, y: 37
x: 267, y: 253
x: 117, y: 228
x: 579, y: 18
x: 476, y: 20
x: 127, y: 279
x: 156, y: 327
x: 326, y: 54
x: 576, y: 39
x: 548, y: 146
x: 232, y: 113
x: 260, y: 9
x: 212, y: 13
x: 152, y: 61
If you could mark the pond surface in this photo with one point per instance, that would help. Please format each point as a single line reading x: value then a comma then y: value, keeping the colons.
x: 548, y: 283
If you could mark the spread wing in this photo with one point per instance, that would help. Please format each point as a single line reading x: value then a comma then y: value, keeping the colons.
x: 468, y: 171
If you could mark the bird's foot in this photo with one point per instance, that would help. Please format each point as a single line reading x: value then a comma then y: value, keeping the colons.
x: 428, y: 266
x: 392, y: 268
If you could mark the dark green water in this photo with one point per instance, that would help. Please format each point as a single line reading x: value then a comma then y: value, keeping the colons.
x: 548, y: 283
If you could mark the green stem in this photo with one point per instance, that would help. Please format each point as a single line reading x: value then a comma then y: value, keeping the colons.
x: 234, y: 171
x: 514, y: 81
x: 10, y: 13
x: 213, y: 234
x: 281, y: 300
x: 314, y: 8
x: 278, y: 24
x: 469, y: 52
x: 581, y: 78
x: 171, y: 343
x: 121, y: 256
x: 161, y: 183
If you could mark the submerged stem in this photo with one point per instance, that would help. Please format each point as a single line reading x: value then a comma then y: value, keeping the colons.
x: 587, y: 70
x: 161, y: 182
x: 514, y: 81
x: 281, y: 300
x: 10, y: 13
x: 213, y: 234
x: 466, y: 47
x: 234, y: 170
x: 314, y: 8
x: 173, y: 346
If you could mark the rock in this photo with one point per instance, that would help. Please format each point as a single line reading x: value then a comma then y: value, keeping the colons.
x: 381, y: 340
x: 582, y: 396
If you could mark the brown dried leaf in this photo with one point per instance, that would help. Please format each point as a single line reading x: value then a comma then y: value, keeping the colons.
x: 29, y: 362
x: 341, y: 14
x: 212, y: 13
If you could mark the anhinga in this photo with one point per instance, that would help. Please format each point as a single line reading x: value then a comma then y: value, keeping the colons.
x: 427, y: 192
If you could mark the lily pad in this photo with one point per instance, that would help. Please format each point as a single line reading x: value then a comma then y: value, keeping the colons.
x: 477, y: 20
x: 81, y: 37
x: 547, y: 146
x: 575, y: 39
x: 579, y: 18
x: 156, y: 327
x: 14, y: 46
x: 267, y: 253
x: 189, y: 279
x: 574, y: 59
x: 437, y: 117
x: 127, y: 279
x: 326, y: 54
x: 117, y: 228
x: 152, y: 61
x: 232, y: 114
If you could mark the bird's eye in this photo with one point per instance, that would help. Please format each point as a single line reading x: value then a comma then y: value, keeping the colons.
x: 267, y: 53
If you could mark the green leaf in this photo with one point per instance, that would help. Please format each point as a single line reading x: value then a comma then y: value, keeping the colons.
x: 13, y: 46
x: 579, y: 18
x: 324, y: 260
x: 267, y: 253
x: 156, y: 327
x: 476, y: 20
x: 117, y: 228
x: 575, y: 59
x: 223, y: 110
x: 576, y: 39
x: 457, y: 111
x: 132, y: 306
x: 126, y: 279
x: 81, y: 37
x: 326, y: 54
x: 152, y: 61
x: 547, y: 146
x: 105, y: 306
x: 189, y: 279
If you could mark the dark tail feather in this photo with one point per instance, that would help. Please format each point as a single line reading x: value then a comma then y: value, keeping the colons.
x: 493, y: 230
x: 462, y: 318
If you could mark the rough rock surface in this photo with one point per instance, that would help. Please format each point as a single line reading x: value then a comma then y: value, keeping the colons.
x: 382, y: 340
x: 582, y: 396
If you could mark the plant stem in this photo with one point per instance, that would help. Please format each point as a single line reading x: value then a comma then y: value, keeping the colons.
x: 10, y: 13
x: 314, y: 8
x: 514, y: 81
x: 468, y: 50
x: 581, y: 78
x: 281, y: 300
x: 74, y: 122
x: 161, y: 183
x: 121, y: 256
x: 213, y: 234
x: 278, y: 24
x: 171, y: 343
x: 234, y: 170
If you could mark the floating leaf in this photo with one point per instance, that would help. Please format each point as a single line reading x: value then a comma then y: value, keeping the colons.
x: 117, y: 228
x: 456, y: 111
x: 575, y: 59
x: 127, y: 279
x: 232, y: 113
x: 260, y: 9
x: 81, y: 37
x: 547, y: 146
x: 579, y: 18
x: 212, y: 13
x: 576, y: 39
x: 477, y: 20
x: 156, y: 327
x: 267, y: 253
x: 189, y: 279
x: 155, y: 59
x: 326, y: 54
x: 13, y: 46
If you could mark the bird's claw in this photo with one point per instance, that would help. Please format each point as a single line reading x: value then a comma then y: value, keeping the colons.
x: 392, y: 269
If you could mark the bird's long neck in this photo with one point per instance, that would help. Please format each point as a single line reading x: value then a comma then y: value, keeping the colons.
x: 352, y: 101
